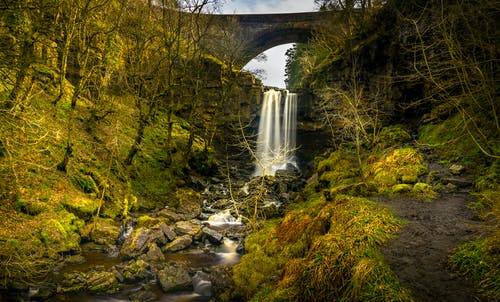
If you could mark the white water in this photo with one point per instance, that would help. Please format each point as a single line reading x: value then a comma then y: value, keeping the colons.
x: 276, y: 140
x: 223, y: 218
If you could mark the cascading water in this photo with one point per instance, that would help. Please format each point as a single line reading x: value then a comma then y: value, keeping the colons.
x: 276, y: 140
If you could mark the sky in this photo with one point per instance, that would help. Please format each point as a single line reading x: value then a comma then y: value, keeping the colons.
x: 274, y: 66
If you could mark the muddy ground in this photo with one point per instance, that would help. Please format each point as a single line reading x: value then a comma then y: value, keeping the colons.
x: 420, y: 253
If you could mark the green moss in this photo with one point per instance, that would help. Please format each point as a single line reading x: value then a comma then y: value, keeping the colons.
x: 82, y: 207
x: 392, y: 136
x: 86, y: 183
x: 401, y: 188
x: 402, y: 166
x: 424, y: 191
x: 102, y: 282
x: 147, y: 221
x: 450, y: 141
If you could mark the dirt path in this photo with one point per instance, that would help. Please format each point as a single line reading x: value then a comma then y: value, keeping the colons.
x: 419, y: 254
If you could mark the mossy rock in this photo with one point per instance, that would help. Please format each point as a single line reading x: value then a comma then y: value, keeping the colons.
x: 424, y: 191
x: 101, y: 231
x: 82, y: 207
x: 102, y: 282
x: 147, y: 221
x: 56, y: 235
x: 186, y: 202
x: 403, y: 165
x: 136, y: 270
x: 392, y: 136
x: 337, y: 170
x: 401, y: 188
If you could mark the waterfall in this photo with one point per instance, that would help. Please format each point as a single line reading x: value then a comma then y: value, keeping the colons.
x: 276, y: 139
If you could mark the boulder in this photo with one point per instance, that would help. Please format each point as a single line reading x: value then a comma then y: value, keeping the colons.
x: 135, y: 270
x: 212, y: 235
x: 186, y: 203
x: 102, y: 282
x: 170, y: 215
x: 138, y: 242
x: 178, y: 244
x: 174, y: 278
x: 135, y: 244
x: 154, y: 254
x: 167, y: 231
x: 192, y: 227
x: 101, y: 231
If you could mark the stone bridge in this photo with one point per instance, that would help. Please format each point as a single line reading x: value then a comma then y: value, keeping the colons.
x: 252, y: 34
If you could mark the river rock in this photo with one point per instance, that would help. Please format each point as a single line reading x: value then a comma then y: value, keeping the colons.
x: 178, y: 244
x: 136, y: 270
x: 154, y: 254
x: 212, y: 235
x: 135, y: 244
x: 102, y: 281
x: 140, y: 239
x: 192, y: 227
x: 72, y: 282
x: 170, y: 215
x: 174, y: 278
x: 101, y: 231
x: 167, y: 231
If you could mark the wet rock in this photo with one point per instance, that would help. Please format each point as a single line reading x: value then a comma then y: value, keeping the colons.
x: 136, y: 270
x: 101, y: 231
x: 212, y: 235
x: 458, y: 182
x: 113, y: 251
x: 174, y: 278
x: 170, y: 215
x: 154, y: 254
x: 140, y: 239
x: 192, y: 227
x: 135, y: 244
x: 73, y: 282
x: 102, y: 282
x: 167, y: 231
x: 240, y: 249
x: 456, y: 169
x: 178, y: 244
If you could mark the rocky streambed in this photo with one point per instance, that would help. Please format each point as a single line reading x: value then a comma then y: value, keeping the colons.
x: 178, y: 253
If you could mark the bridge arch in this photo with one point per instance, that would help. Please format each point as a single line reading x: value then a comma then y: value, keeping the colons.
x: 258, y: 32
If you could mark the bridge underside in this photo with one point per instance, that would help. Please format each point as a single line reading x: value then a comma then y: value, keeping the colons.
x: 274, y: 38
x: 246, y: 36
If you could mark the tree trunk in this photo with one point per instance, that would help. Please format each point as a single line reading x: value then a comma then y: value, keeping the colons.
x: 137, y: 143
x: 25, y: 62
